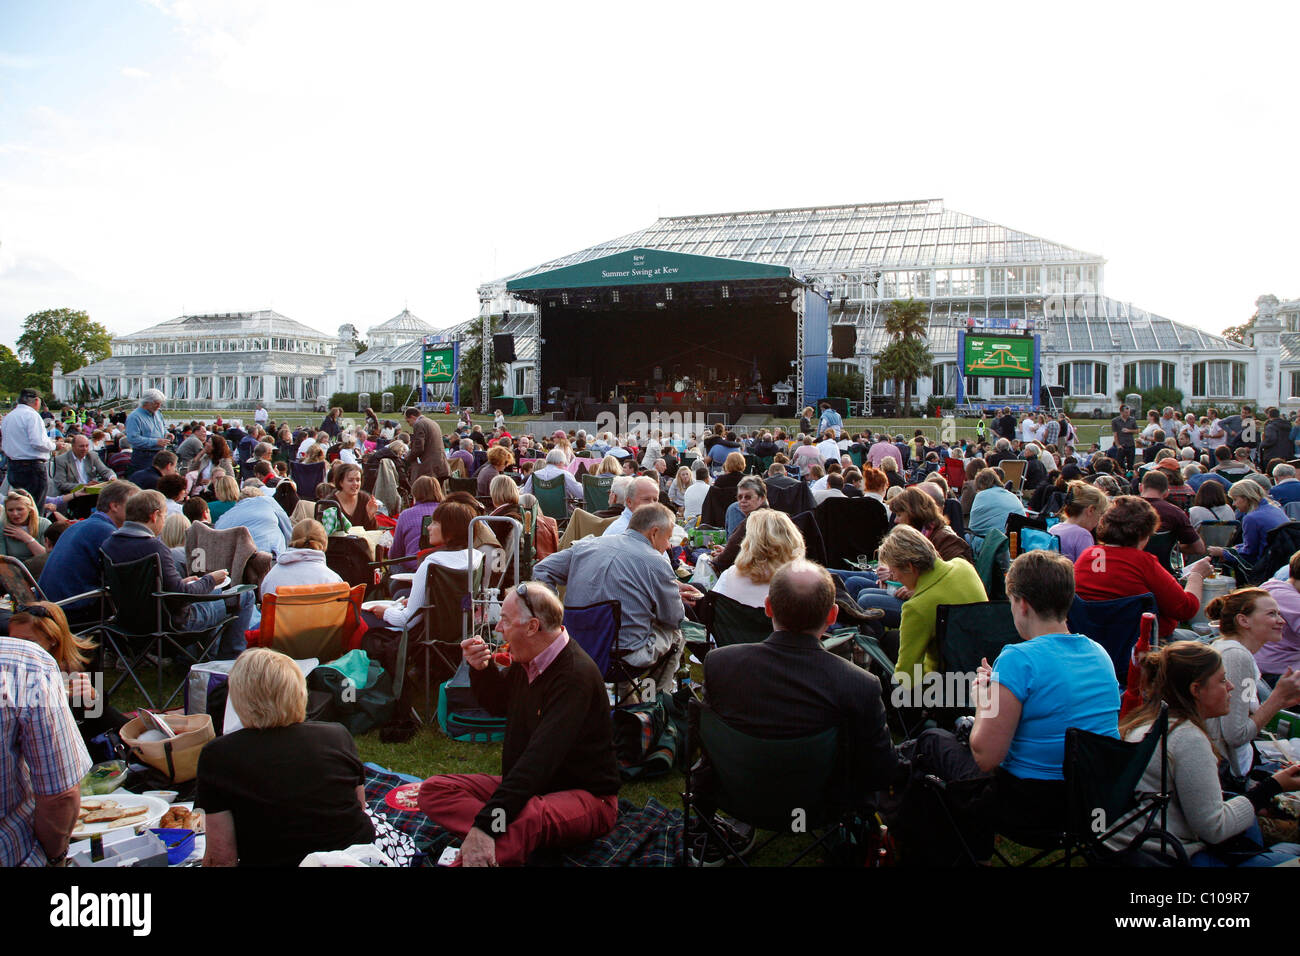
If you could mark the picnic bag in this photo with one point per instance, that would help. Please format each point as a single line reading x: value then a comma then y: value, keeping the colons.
x: 178, y: 757
x: 353, y: 691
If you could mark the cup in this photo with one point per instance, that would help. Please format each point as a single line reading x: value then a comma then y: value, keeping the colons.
x: 891, y: 587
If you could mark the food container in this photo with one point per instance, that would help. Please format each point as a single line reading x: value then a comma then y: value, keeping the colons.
x: 1217, y: 586
x: 166, y: 796
x: 104, y: 778
x: 143, y: 850
x: 179, y: 844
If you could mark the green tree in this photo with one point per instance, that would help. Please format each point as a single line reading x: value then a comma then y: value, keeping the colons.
x: 11, y: 371
x: 844, y: 385
x: 66, y: 336
x: 907, y: 357
x: 904, y: 361
x: 471, y: 365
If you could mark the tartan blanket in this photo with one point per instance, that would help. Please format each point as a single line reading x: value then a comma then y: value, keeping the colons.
x: 642, y: 837
x: 430, y: 839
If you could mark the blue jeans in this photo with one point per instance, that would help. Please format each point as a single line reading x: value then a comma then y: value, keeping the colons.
x: 205, y: 614
x: 1277, y: 853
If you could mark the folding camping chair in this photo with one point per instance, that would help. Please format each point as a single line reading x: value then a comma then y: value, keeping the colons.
x: 16, y: 580
x: 965, y: 634
x: 1115, y: 624
x: 764, y: 783
x: 991, y: 563
x: 595, y: 492
x: 713, y: 511
x: 1013, y: 470
x: 143, y: 622
x: 306, y: 477
x: 310, y: 620
x: 851, y: 527
x: 1220, y: 534
x: 448, y: 619
x: 955, y: 471
x: 349, y: 558
x: 456, y: 483
x: 1161, y: 544
x: 1102, y: 773
x: 727, y: 621
x: 551, y: 497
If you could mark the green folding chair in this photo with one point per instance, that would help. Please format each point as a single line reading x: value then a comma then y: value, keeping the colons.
x: 595, y: 492
x: 551, y: 497
x: 992, y: 562
x: 768, y: 784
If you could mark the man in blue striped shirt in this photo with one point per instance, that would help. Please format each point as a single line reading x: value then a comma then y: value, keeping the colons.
x: 146, y: 431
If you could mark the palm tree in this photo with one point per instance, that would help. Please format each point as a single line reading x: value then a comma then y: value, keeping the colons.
x: 906, y: 357
x: 903, y: 361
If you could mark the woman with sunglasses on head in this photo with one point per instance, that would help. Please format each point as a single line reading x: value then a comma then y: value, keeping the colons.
x: 1190, y: 678
x: 44, y: 624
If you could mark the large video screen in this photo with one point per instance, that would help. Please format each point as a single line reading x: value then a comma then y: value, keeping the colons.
x: 1001, y: 356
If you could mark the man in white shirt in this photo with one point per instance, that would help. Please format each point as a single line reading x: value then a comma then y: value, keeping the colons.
x: 261, y: 416
x: 1214, y: 435
x: 641, y: 491
x: 321, y: 438
x: 829, y: 448
x: 27, y: 447
x: 1028, y: 428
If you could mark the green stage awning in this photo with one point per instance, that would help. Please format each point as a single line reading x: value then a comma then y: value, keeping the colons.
x: 648, y: 267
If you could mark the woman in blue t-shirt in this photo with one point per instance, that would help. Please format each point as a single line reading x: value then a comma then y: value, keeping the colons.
x: 1034, y: 692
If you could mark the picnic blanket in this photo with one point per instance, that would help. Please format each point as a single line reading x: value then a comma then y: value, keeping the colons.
x: 643, y: 836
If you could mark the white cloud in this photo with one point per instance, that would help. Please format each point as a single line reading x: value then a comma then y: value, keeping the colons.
x: 135, y: 73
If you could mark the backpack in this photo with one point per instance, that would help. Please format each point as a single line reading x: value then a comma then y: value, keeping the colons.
x: 1282, y: 542
x: 335, y: 692
x: 460, y: 716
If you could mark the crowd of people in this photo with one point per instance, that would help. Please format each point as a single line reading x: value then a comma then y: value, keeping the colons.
x: 938, y: 503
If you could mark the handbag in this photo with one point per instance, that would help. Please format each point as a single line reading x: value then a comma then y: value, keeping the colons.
x: 177, y: 757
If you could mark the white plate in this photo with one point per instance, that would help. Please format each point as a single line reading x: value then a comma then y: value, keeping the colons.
x: 377, y: 607
x: 406, y: 576
x: 154, y: 811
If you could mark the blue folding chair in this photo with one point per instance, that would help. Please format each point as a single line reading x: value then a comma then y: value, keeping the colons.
x: 1115, y: 624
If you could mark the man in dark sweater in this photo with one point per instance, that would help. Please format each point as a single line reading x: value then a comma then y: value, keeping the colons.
x: 559, y: 777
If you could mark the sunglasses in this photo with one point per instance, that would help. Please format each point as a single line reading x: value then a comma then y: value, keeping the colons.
x: 35, y: 610
x: 522, y: 591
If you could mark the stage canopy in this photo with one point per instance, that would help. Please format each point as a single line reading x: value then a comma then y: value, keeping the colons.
x: 646, y: 267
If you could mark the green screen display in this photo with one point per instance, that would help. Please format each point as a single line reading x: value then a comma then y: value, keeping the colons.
x: 1001, y: 356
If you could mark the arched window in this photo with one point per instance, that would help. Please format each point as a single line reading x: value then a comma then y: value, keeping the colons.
x: 1219, y: 379
x: 1141, y: 376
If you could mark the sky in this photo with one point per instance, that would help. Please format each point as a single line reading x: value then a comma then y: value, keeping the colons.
x: 338, y: 162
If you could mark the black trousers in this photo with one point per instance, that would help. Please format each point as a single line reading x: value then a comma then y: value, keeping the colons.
x: 30, y: 476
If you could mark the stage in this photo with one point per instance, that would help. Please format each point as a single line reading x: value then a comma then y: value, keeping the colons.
x: 654, y: 331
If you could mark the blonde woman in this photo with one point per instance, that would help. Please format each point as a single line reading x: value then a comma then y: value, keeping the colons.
x: 24, y: 528
x: 173, y: 535
x: 609, y: 465
x: 318, y: 773
x: 771, y: 542
x: 677, y: 490
x: 227, y: 491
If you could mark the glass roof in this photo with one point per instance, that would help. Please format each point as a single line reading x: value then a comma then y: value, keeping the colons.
x: 820, y: 239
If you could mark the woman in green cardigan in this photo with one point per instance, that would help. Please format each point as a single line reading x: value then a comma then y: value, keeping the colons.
x: 928, y: 581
